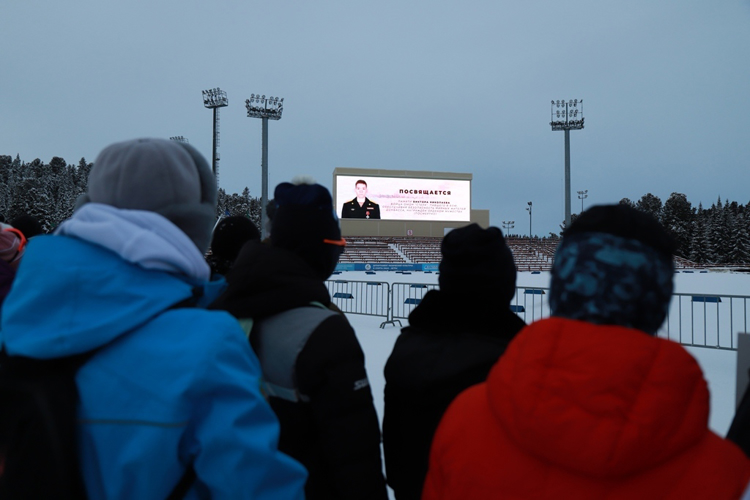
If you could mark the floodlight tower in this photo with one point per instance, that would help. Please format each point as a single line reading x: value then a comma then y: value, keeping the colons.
x: 529, y: 209
x: 567, y: 116
x: 582, y: 195
x: 215, y: 99
x: 179, y: 138
x: 258, y: 106
x: 508, y: 225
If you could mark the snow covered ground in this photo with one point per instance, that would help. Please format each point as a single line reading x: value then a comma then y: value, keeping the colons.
x: 719, y: 366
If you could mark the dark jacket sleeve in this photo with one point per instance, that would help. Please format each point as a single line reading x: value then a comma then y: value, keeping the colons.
x: 739, y: 431
x: 331, y: 372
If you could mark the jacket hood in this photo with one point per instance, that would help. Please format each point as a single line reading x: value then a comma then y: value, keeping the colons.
x: 70, y: 296
x: 267, y: 280
x: 605, y: 401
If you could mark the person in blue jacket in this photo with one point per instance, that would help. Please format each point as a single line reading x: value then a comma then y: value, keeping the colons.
x: 171, y: 388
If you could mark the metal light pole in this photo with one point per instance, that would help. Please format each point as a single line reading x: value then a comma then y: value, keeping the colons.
x: 529, y: 209
x: 179, y: 138
x: 508, y: 225
x: 582, y: 195
x: 215, y: 99
x: 567, y: 116
x: 265, y: 109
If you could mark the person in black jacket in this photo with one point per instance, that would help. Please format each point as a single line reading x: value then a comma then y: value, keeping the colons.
x: 455, y: 335
x: 313, y: 366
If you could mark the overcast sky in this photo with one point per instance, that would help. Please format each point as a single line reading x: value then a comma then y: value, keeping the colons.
x: 410, y: 85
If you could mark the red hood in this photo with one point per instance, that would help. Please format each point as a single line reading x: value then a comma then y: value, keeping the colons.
x: 605, y: 401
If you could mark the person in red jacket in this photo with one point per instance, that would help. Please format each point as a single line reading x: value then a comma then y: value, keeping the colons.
x: 589, y: 403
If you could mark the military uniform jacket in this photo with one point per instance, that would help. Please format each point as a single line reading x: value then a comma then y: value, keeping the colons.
x: 368, y: 210
x: 314, y: 373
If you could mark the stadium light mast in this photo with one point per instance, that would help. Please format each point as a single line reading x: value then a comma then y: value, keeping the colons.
x: 529, y: 209
x: 265, y: 109
x: 567, y: 116
x: 508, y: 225
x: 215, y: 99
x: 582, y: 195
x: 179, y: 138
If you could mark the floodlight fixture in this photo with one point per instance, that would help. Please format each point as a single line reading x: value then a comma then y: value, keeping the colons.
x: 258, y: 106
x: 567, y: 116
x: 582, y: 195
x: 215, y: 99
x: 508, y: 225
x: 179, y: 138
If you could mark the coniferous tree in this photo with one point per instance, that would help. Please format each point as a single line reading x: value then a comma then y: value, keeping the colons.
x: 699, y: 245
x: 739, y: 241
x: 677, y: 218
x: 651, y: 204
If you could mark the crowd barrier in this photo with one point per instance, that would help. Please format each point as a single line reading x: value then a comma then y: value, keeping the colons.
x: 698, y: 320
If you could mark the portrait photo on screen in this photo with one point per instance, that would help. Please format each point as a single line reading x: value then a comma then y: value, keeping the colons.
x: 403, y: 198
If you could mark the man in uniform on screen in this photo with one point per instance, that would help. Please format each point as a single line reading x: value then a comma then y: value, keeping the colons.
x: 360, y: 207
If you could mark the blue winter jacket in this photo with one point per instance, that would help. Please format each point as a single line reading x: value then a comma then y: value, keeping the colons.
x: 170, y: 388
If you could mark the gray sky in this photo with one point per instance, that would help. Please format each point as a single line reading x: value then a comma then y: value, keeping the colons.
x: 418, y: 85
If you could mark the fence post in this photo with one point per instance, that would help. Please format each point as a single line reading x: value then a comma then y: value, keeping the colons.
x: 743, y: 364
x: 389, y: 314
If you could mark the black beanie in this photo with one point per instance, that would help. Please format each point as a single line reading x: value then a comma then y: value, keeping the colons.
x: 231, y: 234
x: 478, y: 260
x: 28, y: 225
x: 303, y: 218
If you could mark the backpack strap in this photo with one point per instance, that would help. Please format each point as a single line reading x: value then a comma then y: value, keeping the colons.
x: 278, y: 340
x: 183, y: 486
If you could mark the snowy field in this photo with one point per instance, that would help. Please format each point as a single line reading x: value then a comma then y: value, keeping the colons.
x: 719, y: 366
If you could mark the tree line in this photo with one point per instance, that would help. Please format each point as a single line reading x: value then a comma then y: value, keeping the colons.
x: 716, y: 235
x: 48, y: 191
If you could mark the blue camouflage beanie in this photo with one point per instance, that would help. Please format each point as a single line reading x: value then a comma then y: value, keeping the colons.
x: 614, y: 266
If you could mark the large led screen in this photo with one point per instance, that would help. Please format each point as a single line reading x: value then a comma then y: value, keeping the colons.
x: 402, y: 198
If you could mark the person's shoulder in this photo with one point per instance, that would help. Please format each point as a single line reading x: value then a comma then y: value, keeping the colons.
x: 371, y: 202
x: 350, y: 202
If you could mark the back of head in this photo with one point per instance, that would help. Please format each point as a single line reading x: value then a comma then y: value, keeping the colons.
x: 614, y: 266
x: 231, y: 234
x: 306, y: 224
x: 167, y: 177
x: 28, y: 225
x: 477, y: 260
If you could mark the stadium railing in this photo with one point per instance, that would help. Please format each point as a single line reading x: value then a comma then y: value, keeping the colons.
x: 694, y: 319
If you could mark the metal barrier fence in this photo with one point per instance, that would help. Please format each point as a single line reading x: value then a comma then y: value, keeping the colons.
x: 702, y: 320
x: 361, y: 297
x: 711, y: 321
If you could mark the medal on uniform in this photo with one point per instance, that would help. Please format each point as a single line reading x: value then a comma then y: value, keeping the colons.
x: 367, y: 215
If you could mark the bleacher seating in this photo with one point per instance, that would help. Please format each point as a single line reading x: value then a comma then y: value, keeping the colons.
x: 535, y: 255
x: 370, y: 250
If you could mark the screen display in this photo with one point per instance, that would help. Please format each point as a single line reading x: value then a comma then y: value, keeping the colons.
x: 403, y: 198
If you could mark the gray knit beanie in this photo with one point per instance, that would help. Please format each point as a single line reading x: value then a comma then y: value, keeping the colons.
x: 167, y: 177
